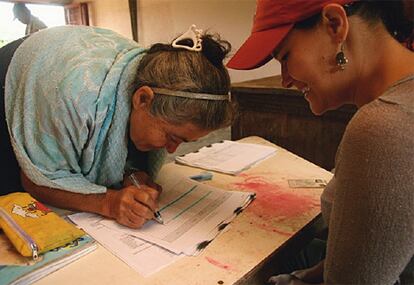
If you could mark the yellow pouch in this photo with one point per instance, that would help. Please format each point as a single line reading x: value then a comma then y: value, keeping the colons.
x: 32, y: 227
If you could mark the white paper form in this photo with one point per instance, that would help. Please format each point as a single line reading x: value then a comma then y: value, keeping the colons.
x: 143, y: 257
x: 227, y: 157
x: 192, y: 213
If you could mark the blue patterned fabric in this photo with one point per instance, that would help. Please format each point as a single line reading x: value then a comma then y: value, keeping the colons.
x: 67, y: 101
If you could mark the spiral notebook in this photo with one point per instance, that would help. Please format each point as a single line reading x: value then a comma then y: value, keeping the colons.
x: 194, y: 215
x: 227, y: 156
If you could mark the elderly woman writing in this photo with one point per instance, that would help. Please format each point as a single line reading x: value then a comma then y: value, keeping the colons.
x: 85, y: 106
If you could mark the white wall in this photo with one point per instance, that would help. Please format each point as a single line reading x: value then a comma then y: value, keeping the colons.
x: 163, y: 20
x: 110, y: 14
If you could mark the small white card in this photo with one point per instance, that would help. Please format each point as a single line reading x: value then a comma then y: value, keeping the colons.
x: 307, y: 183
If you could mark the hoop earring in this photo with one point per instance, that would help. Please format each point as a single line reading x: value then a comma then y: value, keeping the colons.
x: 341, y: 59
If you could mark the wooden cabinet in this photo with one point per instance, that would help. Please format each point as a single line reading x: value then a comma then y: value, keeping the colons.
x: 283, y: 116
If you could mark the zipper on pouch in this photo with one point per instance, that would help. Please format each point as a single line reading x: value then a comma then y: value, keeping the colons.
x: 29, y: 241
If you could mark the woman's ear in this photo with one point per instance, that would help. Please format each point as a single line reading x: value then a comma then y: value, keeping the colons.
x: 142, y: 98
x: 336, y: 20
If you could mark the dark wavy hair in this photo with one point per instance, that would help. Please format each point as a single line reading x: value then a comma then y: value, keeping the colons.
x: 396, y: 15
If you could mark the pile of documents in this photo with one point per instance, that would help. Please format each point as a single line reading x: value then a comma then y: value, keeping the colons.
x: 227, y: 157
x: 193, y: 214
x: 16, y: 269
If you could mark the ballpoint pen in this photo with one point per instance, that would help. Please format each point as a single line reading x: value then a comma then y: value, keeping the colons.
x: 157, y: 214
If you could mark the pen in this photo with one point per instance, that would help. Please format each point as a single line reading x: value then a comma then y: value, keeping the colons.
x: 157, y: 214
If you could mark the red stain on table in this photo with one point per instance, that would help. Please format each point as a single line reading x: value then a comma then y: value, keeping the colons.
x: 283, y: 233
x: 218, y: 263
x: 274, y: 201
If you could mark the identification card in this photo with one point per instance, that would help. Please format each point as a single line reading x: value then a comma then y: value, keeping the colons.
x: 307, y: 183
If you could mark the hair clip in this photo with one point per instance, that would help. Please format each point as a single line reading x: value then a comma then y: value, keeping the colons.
x: 193, y: 34
x: 192, y: 95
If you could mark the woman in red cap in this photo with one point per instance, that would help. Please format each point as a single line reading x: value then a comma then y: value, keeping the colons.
x: 342, y: 52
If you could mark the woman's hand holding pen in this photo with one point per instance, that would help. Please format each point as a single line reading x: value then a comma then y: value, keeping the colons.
x: 130, y: 207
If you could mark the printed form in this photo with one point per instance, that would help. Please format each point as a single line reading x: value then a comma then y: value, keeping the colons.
x: 143, y: 257
x: 193, y: 215
x: 227, y: 157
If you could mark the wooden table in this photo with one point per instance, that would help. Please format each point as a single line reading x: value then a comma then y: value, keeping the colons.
x: 242, y: 253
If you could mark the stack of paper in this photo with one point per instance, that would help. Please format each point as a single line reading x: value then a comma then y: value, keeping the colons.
x: 48, y: 263
x: 227, y: 157
x: 193, y: 213
x: 142, y: 256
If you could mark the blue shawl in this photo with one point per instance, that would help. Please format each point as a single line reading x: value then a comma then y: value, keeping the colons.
x: 67, y: 103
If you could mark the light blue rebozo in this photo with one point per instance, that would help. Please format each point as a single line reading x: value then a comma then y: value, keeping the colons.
x: 68, y: 105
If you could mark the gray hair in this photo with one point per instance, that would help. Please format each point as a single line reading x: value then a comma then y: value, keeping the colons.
x: 179, y: 69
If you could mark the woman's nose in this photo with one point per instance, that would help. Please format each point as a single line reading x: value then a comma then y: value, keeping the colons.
x: 171, y: 147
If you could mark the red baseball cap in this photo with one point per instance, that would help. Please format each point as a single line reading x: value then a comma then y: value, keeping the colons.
x: 272, y: 22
